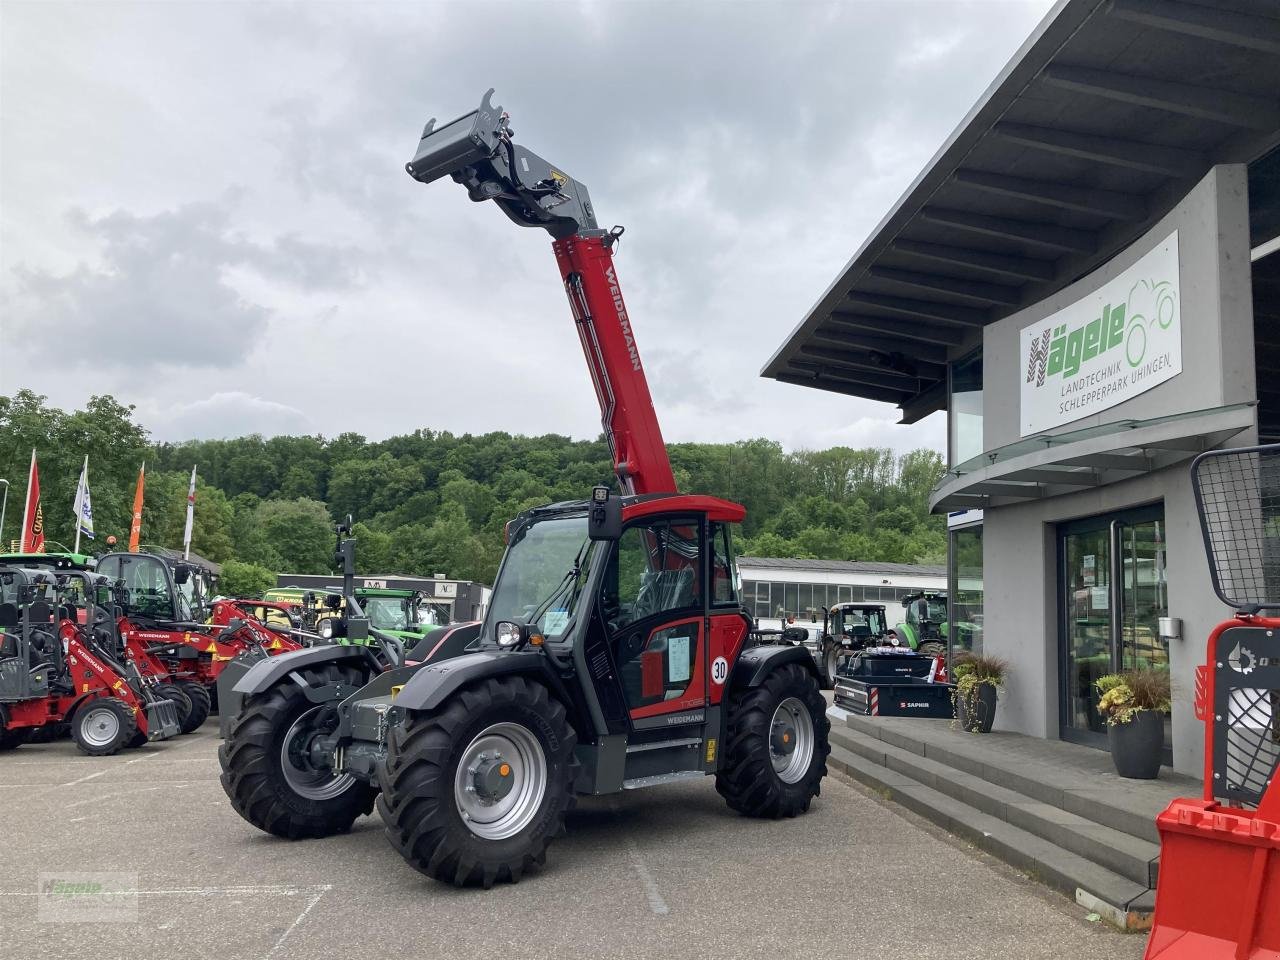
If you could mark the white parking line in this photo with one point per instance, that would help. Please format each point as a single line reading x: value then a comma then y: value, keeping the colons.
x: 316, y: 898
x: 84, y: 778
x: 651, y: 891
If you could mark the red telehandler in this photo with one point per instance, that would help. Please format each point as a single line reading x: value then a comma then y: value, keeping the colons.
x: 614, y: 654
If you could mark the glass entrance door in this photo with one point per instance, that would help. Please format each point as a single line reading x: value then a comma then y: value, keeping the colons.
x: 1112, y: 593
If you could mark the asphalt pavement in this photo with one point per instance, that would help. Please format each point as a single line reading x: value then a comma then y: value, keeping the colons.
x: 668, y: 872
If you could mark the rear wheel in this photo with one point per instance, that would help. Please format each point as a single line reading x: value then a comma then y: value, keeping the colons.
x: 829, y: 665
x: 181, y: 702
x: 103, y: 726
x: 274, y: 764
x: 776, y: 750
x: 932, y: 649
x: 473, y: 792
x: 12, y: 739
x: 200, y: 705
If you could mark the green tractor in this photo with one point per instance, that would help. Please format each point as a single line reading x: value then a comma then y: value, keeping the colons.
x: 928, y: 626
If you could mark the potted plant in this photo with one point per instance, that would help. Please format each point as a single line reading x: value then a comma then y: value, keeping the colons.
x: 1134, y: 704
x: 977, y: 680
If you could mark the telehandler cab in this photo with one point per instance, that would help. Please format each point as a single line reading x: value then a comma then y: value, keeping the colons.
x: 613, y: 655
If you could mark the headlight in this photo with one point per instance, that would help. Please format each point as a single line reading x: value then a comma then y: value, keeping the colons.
x: 508, y: 634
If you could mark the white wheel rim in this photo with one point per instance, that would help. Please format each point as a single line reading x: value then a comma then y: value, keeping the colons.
x: 100, y: 726
x: 791, y: 740
x: 500, y: 781
x: 304, y: 780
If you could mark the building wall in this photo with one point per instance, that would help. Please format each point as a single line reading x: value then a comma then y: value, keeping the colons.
x: 1020, y: 542
x: 1020, y: 572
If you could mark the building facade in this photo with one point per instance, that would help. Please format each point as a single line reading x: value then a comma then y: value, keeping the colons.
x: 1086, y: 280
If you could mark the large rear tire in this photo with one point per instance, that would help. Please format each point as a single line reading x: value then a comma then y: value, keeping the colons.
x: 200, y: 705
x: 103, y: 726
x: 266, y: 767
x: 777, y: 745
x: 932, y: 649
x: 473, y: 792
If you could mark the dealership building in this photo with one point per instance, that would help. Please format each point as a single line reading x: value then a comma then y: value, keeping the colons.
x: 1086, y: 278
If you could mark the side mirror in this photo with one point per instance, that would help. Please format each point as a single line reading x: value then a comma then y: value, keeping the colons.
x: 333, y: 601
x: 604, y: 521
x: 181, y: 573
x: 358, y: 629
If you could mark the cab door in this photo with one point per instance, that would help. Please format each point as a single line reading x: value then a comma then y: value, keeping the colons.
x: 653, y: 602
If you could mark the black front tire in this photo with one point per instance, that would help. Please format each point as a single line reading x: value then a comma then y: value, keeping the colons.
x: 418, y: 802
x: 96, y: 735
x: 201, y: 703
x: 253, y: 765
x: 747, y: 779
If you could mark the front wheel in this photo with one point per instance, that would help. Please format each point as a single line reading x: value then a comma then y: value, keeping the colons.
x: 274, y: 762
x: 104, y: 726
x: 473, y: 792
x: 776, y: 751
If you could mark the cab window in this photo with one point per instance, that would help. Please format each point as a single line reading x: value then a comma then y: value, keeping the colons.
x: 655, y: 568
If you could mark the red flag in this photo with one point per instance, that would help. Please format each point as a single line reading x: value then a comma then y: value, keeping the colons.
x: 32, y: 515
x: 135, y: 529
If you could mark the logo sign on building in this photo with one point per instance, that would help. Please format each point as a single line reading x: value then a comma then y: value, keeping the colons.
x: 1111, y: 346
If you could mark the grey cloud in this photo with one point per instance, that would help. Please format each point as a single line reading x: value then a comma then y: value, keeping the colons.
x: 160, y: 295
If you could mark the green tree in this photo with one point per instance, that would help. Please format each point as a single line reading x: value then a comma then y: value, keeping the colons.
x: 245, y: 579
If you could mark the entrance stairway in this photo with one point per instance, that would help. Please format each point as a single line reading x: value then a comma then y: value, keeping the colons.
x: 1055, y: 810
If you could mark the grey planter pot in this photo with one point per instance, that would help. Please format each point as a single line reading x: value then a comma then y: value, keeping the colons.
x: 984, y: 713
x: 1136, y: 746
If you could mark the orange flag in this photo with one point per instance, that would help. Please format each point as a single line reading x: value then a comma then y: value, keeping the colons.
x: 135, y: 528
x: 32, y: 515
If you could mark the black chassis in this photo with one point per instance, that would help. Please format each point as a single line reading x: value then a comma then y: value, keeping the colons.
x: 564, y: 665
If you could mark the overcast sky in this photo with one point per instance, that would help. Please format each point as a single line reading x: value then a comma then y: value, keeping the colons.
x: 204, y: 209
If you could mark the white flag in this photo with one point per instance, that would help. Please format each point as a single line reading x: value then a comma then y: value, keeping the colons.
x: 191, y: 513
x: 84, y: 508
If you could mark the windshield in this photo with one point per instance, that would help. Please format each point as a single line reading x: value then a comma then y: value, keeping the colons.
x: 537, y: 576
x: 386, y: 613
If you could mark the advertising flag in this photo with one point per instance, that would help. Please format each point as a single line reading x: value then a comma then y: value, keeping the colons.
x: 135, y: 528
x: 84, y: 507
x: 32, y: 515
x: 191, y: 513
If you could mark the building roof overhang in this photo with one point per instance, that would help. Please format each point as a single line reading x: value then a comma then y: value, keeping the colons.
x: 1050, y: 465
x: 1096, y: 128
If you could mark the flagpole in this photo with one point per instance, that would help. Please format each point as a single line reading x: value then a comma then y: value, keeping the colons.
x: 26, y: 507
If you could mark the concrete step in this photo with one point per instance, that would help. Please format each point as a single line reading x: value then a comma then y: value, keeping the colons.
x: 1131, y: 857
x: 1027, y: 767
x: 1119, y: 899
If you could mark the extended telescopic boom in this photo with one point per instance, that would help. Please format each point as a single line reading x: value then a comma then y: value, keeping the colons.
x: 477, y: 151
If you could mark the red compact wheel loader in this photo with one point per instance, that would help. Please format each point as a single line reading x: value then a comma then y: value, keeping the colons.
x: 58, y: 665
x: 614, y: 654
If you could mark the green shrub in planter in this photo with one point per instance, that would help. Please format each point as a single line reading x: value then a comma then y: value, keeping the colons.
x: 1134, y: 704
x: 977, y: 680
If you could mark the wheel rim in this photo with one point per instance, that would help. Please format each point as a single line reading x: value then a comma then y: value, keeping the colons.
x: 100, y: 726
x: 791, y: 740
x: 301, y: 776
x: 501, y: 781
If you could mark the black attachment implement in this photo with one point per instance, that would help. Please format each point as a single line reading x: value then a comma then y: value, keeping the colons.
x: 477, y: 151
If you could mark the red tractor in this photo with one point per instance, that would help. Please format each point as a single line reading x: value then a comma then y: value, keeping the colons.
x: 615, y: 652
x: 58, y: 665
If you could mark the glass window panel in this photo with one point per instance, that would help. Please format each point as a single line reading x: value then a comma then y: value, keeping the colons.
x: 965, y: 589
x: 790, y: 597
x: 964, y: 417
